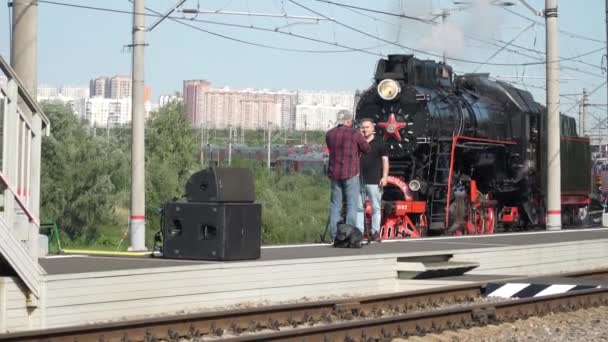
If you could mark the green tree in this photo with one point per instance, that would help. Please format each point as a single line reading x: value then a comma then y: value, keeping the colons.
x: 171, y: 157
x: 295, y: 206
x: 80, y: 177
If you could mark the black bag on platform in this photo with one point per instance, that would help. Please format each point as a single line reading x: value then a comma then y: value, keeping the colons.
x: 348, y: 236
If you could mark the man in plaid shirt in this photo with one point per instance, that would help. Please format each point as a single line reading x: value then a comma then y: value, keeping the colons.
x: 345, y: 145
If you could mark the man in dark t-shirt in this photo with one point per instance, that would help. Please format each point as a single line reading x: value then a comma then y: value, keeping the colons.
x: 374, y: 175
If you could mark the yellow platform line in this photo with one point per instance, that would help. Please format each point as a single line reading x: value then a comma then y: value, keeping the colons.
x: 97, y: 252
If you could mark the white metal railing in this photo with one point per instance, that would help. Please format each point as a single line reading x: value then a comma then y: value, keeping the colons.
x: 22, y: 125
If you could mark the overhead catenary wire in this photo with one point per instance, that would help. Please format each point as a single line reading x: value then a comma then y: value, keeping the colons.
x: 591, y: 92
x: 410, y: 48
x: 504, y: 47
x: 571, y: 34
x: 184, y: 22
x: 407, y: 47
x: 429, y: 22
x: 573, y: 59
x: 495, y: 42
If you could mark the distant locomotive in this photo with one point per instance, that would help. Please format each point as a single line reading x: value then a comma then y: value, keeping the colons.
x: 467, y: 153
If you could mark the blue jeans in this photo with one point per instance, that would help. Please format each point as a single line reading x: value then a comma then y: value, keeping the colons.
x: 339, y: 188
x: 374, y: 193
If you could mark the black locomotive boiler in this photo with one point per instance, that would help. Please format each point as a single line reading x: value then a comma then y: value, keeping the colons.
x: 467, y: 153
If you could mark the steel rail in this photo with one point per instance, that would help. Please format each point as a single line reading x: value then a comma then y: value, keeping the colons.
x: 420, y: 324
x: 215, y: 323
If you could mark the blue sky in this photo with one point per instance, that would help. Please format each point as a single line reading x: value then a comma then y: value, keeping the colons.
x: 78, y: 44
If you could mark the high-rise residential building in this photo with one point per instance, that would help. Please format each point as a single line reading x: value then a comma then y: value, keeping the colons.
x: 79, y: 107
x: 164, y: 100
x: 250, y: 108
x: 115, y: 87
x: 46, y: 91
x: 119, y: 87
x: 243, y: 108
x: 74, y: 92
x: 99, y: 87
x: 247, y: 108
x: 102, y: 112
x: 318, y: 110
x: 288, y: 100
x: 65, y: 93
x: 97, y: 112
x: 317, y: 118
x: 73, y: 95
x: 194, y: 95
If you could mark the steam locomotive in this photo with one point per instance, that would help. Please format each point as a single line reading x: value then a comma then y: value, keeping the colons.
x: 467, y: 153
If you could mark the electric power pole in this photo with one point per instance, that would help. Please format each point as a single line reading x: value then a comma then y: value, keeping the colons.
x: 444, y: 14
x: 554, y: 217
x: 229, y: 145
x: 605, y: 213
x: 582, y: 115
x: 138, y: 182
x: 24, y: 60
x: 305, y: 130
x: 602, y: 140
x: 268, y: 145
x: 24, y: 47
x: 202, y: 137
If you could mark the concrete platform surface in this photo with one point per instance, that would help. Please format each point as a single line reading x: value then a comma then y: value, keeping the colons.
x: 67, y: 264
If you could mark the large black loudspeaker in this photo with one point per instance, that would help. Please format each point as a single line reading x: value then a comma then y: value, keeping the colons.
x: 212, y: 231
x: 226, y: 185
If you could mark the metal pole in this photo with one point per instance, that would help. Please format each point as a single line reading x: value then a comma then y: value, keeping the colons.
x: 443, y: 16
x: 202, y: 132
x: 554, y: 218
x: 138, y: 182
x: 230, y: 146
x: 601, y: 140
x: 24, y: 43
x: 24, y: 60
x: 606, y: 18
x: 605, y: 213
x: 580, y: 117
x: 268, y: 145
x: 584, y: 106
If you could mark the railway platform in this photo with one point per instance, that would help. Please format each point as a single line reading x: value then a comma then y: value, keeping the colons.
x: 87, y: 289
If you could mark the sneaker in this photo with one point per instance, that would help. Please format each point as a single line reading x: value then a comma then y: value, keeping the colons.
x: 376, y: 237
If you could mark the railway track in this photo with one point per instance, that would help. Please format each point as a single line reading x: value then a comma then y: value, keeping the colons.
x: 369, y: 318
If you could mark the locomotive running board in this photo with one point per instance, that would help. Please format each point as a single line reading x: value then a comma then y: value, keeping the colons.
x: 432, y: 266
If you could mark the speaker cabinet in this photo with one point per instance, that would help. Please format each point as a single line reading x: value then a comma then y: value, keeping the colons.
x: 212, y: 231
x: 225, y: 185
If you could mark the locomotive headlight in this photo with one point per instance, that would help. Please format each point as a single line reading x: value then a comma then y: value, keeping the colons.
x: 388, y: 89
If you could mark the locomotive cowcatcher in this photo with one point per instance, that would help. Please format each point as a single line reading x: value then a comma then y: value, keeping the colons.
x: 467, y: 153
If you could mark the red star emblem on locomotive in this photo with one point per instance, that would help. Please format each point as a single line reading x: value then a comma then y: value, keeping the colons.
x: 392, y: 127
